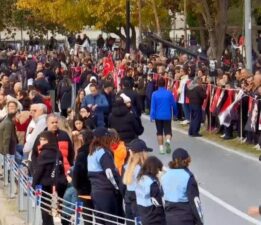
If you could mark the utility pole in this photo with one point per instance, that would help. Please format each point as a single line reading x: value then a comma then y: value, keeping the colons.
x: 185, y: 23
x: 127, y: 26
x: 248, y: 35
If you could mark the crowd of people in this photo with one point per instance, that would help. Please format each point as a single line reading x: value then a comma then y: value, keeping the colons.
x: 77, y: 127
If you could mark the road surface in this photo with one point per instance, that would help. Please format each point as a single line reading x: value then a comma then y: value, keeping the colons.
x: 229, y: 182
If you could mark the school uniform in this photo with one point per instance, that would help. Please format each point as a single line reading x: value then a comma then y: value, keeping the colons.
x: 105, y: 189
x: 148, y: 188
x: 181, y: 196
x: 130, y: 195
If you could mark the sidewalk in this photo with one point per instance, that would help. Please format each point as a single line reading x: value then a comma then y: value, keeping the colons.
x: 9, y: 214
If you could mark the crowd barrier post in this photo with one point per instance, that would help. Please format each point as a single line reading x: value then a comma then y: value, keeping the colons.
x: 29, y: 202
x: 5, y: 171
x: 37, y: 209
x: 20, y: 190
x: 78, y: 212
x: 12, y: 177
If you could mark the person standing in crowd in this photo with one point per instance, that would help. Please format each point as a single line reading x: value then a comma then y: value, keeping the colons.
x: 70, y: 198
x: 110, y: 96
x: 35, y: 127
x: 79, y: 99
x: 119, y: 150
x: 63, y: 142
x: 163, y: 106
x: 41, y: 84
x: 124, y: 121
x: 8, y: 137
x: 88, y: 118
x: 30, y: 68
x: 78, y: 126
x: 105, y: 179
x: 98, y: 104
x: 64, y: 94
x: 4, y: 98
x: 133, y: 95
x: 81, y: 181
x: 182, y: 203
x: 138, y: 154
x: 196, y: 95
x: 149, y: 193
x: 49, y: 173
x: 100, y: 42
x: 182, y: 94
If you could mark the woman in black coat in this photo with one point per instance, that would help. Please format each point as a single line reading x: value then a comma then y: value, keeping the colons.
x: 49, y: 172
x: 124, y: 121
x: 81, y: 181
x: 64, y: 95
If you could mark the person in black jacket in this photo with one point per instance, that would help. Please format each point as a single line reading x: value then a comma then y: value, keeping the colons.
x: 88, y: 117
x: 196, y: 95
x: 124, y: 121
x: 81, y: 181
x: 41, y: 84
x: 64, y: 94
x: 49, y: 173
x: 133, y: 95
x: 63, y: 141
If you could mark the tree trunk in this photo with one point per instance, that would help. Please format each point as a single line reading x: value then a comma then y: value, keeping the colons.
x: 157, y: 21
x: 140, y: 22
x: 202, y: 33
x: 156, y: 17
x: 133, y: 37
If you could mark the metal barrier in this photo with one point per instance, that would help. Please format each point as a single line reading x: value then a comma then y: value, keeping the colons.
x: 33, y: 201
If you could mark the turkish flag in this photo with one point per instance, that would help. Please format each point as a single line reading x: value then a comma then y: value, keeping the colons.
x: 108, y: 66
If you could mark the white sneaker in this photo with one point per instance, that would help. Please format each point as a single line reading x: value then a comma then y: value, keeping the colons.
x: 222, y: 136
x: 257, y: 147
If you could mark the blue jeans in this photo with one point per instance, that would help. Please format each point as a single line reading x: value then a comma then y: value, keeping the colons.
x: 19, y: 154
x: 186, y: 111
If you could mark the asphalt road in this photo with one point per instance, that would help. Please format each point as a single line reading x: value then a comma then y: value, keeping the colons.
x: 229, y: 182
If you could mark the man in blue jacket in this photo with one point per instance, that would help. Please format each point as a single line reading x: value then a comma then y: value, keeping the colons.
x: 162, y: 107
x: 98, y: 103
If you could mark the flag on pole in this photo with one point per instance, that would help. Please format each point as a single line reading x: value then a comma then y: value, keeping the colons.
x: 108, y: 66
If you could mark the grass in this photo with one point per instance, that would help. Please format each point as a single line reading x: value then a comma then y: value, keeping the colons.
x: 234, y: 144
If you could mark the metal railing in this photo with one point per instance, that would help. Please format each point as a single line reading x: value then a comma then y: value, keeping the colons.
x: 32, y: 201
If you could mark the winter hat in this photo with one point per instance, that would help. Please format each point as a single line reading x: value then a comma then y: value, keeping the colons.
x: 125, y: 98
x: 93, y: 78
x: 138, y: 145
x: 50, y: 137
x: 180, y: 153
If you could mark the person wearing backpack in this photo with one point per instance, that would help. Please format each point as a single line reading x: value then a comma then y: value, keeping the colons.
x: 49, y: 173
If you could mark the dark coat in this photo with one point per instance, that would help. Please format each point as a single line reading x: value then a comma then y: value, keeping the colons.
x: 81, y: 181
x: 64, y: 93
x: 196, y: 95
x: 8, y: 138
x: 42, y: 86
x: 30, y: 68
x: 46, y: 167
x: 125, y: 123
x: 135, y: 101
x: 66, y: 149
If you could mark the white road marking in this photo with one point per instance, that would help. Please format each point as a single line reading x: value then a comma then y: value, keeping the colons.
x: 229, y: 207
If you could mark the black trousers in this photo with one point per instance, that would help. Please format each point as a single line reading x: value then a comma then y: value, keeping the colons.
x: 195, y: 119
